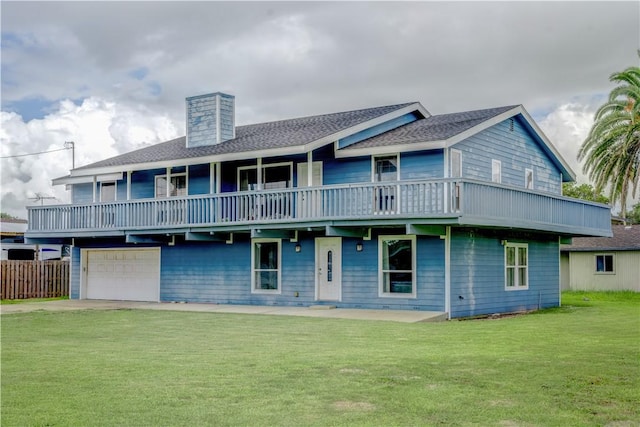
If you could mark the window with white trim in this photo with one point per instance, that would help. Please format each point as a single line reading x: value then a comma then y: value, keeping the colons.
x: 528, y: 179
x: 265, y: 265
x: 516, y: 262
x: 108, y: 191
x: 177, y: 185
x: 496, y: 171
x: 385, y: 168
x: 397, y: 260
x: 604, y: 264
x: 274, y: 176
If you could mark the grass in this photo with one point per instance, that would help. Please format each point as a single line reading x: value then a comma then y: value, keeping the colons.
x: 575, y: 365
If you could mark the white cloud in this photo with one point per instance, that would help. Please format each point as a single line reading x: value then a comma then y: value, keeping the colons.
x: 567, y: 126
x: 99, y: 128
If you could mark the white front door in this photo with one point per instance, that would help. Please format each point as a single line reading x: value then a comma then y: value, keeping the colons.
x: 329, y: 268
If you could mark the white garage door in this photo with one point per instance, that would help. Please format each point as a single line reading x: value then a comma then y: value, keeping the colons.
x: 126, y: 274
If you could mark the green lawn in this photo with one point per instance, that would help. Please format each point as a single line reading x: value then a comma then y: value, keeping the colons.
x: 577, y: 365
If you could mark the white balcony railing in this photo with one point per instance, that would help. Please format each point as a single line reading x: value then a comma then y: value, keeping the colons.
x: 445, y: 198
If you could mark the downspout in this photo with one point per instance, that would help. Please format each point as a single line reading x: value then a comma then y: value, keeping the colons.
x: 447, y: 272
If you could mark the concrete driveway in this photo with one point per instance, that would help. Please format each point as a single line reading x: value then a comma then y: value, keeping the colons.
x: 406, y: 316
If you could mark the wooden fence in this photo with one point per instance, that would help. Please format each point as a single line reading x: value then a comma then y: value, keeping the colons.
x: 34, y: 279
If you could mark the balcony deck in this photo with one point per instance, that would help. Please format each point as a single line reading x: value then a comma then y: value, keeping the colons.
x: 442, y: 202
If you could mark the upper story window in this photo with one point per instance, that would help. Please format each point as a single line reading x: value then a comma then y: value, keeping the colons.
x: 516, y: 260
x: 177, y: 185
x: 456, y: 163
x: 273, y: 177
x: 496, y: 171
x: 604, y: 263
x: 528, y: 179
x: 108, y: 191
x: 385, y: 168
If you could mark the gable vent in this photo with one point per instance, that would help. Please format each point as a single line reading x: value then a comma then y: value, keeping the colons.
x: 210, y: 119
x: 511, y: 125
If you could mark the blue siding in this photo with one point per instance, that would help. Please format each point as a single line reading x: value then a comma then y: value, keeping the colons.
x: 221, y: 273
x: 422, y: 165
x: 74, y: 285
x: 477, y: 275
x: 360, y: 276
x: 347, y: 171
x: 121, y: 188
x: 143, y: 183
x: 377, y: 130
x: 517, y: 150
x: 82, y: 193
x: 199, y: 179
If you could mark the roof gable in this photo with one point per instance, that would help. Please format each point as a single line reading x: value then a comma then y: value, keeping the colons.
x: 446, y: 130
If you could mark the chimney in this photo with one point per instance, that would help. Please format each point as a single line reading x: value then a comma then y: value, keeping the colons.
x: 210, y: 119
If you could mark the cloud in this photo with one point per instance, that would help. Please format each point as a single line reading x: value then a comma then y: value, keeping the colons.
x: 567, y: 127
x: 99, y: 128
x: 128, y: 66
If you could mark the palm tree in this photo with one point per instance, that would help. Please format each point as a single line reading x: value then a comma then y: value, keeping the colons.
x: 612, y: 148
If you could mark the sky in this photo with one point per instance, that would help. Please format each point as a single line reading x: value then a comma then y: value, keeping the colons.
x: 113, y: 76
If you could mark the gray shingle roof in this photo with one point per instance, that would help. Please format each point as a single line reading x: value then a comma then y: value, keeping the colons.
x: 256, y: 137
x: 434, y: 128
x: 625, y: 237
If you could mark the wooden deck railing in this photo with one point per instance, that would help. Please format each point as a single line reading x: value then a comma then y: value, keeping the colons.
x: 403, y: 199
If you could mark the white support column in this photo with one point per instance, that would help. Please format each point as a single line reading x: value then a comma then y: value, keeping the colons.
x: 259, y: 173
x: 309, y: 168
x: 95, y: 189
x: 218, y: 178
x: 168, y: 181
x: 212, y: 178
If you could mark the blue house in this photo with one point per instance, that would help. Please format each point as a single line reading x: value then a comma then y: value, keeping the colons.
x: 382, y: 208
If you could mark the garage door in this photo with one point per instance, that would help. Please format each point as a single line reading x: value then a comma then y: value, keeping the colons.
x: 127, y: 274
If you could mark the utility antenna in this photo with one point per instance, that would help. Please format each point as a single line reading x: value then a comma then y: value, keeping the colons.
x: 39, y: 197
x: 71, y: 145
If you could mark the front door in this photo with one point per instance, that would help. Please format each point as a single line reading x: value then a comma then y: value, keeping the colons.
x: 328, y: 268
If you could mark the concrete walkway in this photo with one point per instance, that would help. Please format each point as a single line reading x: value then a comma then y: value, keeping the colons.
x: 406, y: 316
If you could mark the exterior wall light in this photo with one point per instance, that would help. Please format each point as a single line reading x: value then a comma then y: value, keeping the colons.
x: 359, y: 247
x: 298, y: 247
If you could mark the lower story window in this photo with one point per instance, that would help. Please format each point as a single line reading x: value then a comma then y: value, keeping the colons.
x: 265, y: 254
x: 604, y: 263
x: 397, y: 260
x: 516, y: 260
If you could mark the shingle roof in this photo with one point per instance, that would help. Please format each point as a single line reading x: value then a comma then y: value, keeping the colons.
x: 256, y: 137
x: 625, y: 237
x: 433, y: 128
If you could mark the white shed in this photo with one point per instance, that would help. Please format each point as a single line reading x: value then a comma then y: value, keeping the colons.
x: 603, y: 263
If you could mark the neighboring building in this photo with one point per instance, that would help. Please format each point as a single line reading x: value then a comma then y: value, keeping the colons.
x: 12, y: 228
x: 12, y: 246
x: 603, y: 263
x: 381, y: 208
